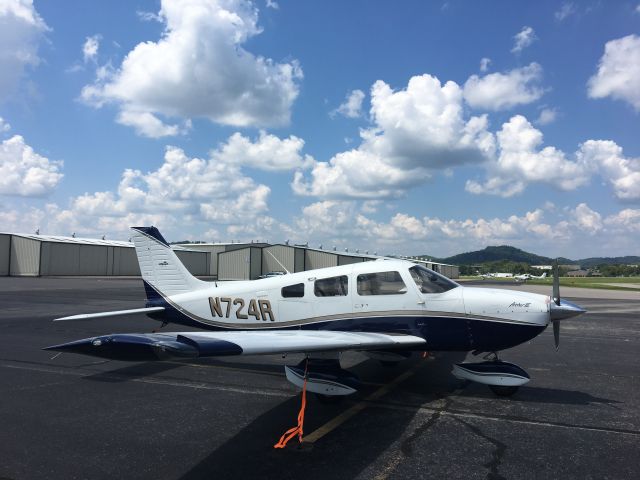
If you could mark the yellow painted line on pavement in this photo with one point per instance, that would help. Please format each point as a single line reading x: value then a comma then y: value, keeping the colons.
x: 358, y: 407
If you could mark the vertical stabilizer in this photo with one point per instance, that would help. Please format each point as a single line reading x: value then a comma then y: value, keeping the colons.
x: 160, y: 266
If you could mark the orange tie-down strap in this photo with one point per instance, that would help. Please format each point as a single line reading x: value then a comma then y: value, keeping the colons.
x: 289, y: 434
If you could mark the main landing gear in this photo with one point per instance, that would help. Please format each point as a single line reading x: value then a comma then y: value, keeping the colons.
x: 503, y: 378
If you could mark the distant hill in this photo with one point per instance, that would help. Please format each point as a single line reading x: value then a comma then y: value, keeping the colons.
x: 505, y: 253
x: 592, y: 262
x: 496, y: 254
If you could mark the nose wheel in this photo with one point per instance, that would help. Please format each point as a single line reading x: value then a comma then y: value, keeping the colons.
x: 503, y: 378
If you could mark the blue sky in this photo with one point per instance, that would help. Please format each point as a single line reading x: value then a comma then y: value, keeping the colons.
x: 398, y: 127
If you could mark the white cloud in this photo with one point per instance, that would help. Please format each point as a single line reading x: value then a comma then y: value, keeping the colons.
x: 627, y: 220
x: 521, y: 161
x: 272, y: 4
x: 25, y: 173
x: 415, y: 131
x: 566, y: 10
x: 21, y: 30
x: 352, y: 105
x: 148, y: 125
x: 4, y: 126
x: 500, y: 91
x: 484, y: 64
x: 606, y: 158
x: 268, y: 152
x: 342, y: 223
x: 547, y: 116
x: 523, y: 39
x: 618, y: 73
x: 148, y: 16
x: 587, y: 219
x: 199, y: 68
x: 90, y: 48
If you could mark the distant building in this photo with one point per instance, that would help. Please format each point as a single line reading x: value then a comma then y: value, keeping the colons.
x: 578, y: 273
x: 542, y: 267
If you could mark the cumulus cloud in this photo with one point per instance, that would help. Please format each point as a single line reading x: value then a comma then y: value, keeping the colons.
x: 521, y: 161
x: 272, y: 4
x: 147, y: 124
x: 484, y: 64
x: 587, y: 219
x: 627, y: 220
x: 21, y: 30
x: 414, y: 131
x: 25, y: 173
x: 500, y: 91
x: 343, y: 223
x: 267, y: 152
x: 606, y: 158
x: 523, y: 39
x: 199, y: 68
x: 352, y: 105
x: 618, y: 73
x: 90, y: 48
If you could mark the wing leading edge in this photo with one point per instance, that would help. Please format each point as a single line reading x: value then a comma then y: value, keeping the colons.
x: 159, y: 346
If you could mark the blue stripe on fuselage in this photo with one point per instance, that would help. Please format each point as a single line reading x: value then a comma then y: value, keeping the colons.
x: 441, y: 333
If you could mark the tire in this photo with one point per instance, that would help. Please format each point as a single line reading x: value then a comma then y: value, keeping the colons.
x: 503, y: 391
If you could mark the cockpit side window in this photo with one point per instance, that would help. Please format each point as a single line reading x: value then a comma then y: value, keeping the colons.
x: 331, y: 287
x: 429, y: 281
x: 381, y: 283
x: 293, y: 291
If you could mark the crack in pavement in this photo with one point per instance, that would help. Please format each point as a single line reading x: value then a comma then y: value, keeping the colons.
x: 497, y: 454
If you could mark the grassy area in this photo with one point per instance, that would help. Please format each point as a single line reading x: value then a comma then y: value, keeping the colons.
x: 593, y: 282
x: 602, y: 283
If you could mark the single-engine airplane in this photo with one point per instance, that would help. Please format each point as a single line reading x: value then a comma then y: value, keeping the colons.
x: 385, y: 308
x: 526, y: 276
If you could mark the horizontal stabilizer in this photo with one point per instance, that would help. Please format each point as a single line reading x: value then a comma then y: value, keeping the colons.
x: 117, y: 313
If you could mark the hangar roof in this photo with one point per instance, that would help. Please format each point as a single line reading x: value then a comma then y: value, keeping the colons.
x: 61, y: 239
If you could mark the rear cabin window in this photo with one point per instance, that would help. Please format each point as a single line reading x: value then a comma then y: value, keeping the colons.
x: 331, y: 287
x: 429, y: 281
x: 381, y: 283
x: 293, y: 291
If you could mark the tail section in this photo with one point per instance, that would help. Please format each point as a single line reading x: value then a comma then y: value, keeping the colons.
x: 161, y: 269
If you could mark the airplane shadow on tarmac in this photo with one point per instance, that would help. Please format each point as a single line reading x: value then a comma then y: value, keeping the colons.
x: 343, y: 453
x: 131, y: 372
x: 532, y: 394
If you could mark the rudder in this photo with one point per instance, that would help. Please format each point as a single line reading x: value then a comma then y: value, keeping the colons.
x: 160, y: 267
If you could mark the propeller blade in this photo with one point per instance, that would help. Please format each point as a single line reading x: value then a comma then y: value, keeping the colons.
x: 556, y: 283
x: 556, y: 333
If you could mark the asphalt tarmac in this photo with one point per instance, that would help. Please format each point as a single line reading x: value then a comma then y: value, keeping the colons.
x: 69, y: 416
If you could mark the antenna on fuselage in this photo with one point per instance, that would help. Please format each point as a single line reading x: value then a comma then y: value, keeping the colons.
x: 278, y: 261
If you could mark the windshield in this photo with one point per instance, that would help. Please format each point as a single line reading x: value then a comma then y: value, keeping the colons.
x: 429, y: 281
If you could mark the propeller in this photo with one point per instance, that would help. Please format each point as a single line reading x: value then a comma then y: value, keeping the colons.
x: 556, y: 299
x: 560, y: 310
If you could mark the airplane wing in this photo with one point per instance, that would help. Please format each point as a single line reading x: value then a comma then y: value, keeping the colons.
x: 159, y: 346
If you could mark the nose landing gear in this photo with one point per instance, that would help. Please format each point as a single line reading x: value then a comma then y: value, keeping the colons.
x: 503, y: 378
